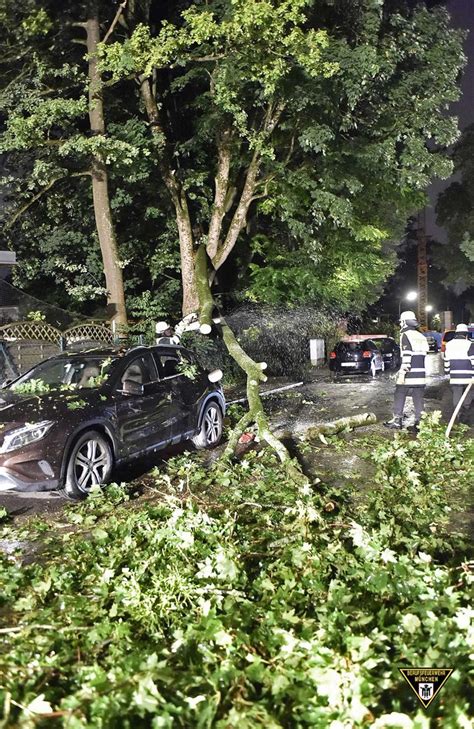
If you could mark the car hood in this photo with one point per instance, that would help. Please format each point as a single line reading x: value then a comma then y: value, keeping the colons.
x: 20, y: 408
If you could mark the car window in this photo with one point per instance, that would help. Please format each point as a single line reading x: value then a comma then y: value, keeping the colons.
x: 167, y: 365
x: 343, y: 347
x: 141, y: 370
x: 74, y: 372
x: 385, y: 345
x: 369, y: 344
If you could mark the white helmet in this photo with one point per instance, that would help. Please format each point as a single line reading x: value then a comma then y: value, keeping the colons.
x: 462, y: 328
x: 407, y: 316
x: 161, y: 327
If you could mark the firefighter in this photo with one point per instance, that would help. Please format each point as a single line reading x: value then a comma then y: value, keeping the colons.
x: 411, y: 377
x: 165, y: 334
x: 459, y: 365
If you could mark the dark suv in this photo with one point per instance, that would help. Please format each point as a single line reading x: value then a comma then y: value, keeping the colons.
x: 67, y: 422
x: 390, y: 352
x: 353, y: 355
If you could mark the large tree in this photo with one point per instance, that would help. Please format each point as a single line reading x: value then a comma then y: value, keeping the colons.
x: 455, y: 211
x: 48, y: 89
x: 322, y: 122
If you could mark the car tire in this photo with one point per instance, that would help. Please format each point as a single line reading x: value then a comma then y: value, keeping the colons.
x: 90, y: 461
x: 211, y: 427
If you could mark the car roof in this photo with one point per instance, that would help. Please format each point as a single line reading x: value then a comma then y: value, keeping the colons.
x: 115, y: 351
x: 364, y: 337
x: 352, y: 341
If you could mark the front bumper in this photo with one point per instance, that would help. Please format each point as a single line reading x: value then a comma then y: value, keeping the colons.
x: 10, y: 481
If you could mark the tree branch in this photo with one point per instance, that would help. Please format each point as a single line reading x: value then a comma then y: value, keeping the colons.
x: 272, y: 117
x: 240, y: 216
x: 221, y: 183
x: 157, y: 130
x: 18, y: 213
x: 119, y: 12
x: 265, y: 184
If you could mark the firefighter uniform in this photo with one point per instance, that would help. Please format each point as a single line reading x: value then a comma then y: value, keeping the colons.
x: 459, y: 365
x: 411, y: 378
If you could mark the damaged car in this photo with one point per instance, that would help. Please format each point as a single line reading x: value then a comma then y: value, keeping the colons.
x: 69, y: 421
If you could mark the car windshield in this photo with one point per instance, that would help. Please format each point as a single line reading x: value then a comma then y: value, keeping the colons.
x: 385, y: 345
x: 65, y: 373
x: 343, y: 347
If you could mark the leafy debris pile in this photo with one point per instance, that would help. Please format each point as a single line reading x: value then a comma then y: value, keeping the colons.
x: 241, y: 596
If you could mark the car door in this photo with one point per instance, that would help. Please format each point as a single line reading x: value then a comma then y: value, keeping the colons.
x: 376, y: 354
x: 143, y: 420
x: 185, y: 389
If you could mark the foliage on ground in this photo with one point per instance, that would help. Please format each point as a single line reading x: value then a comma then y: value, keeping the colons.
x: 235, y: 595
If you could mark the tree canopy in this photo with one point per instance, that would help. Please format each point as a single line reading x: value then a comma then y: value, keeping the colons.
x: 455, y: 210
x: 290, y: 139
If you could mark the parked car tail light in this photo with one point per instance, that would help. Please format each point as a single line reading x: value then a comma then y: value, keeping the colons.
x: 367, y: 354
x: 332, y: 355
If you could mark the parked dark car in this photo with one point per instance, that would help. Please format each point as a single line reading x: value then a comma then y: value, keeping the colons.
x: 71, y: 419
x: 390, y: 352
x: 447, y: 336
x: 356, y: 356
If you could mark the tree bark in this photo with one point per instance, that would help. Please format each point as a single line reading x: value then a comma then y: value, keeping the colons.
x: 220, y: 196
x: 336, y: 426
x: 100, y: 185
x: 178, y: 198
x: 239, y: 218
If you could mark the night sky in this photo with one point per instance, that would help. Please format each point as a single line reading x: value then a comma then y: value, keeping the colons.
x: 462, y: 13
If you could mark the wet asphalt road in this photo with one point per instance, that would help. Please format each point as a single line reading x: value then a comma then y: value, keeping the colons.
x: 319, y: 400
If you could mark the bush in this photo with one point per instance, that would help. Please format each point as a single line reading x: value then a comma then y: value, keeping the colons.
x: 280, y: 335
x: 238, y: 598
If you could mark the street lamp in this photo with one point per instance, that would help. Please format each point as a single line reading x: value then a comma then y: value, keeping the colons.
x: 410, y: 296
x: 428, y: 308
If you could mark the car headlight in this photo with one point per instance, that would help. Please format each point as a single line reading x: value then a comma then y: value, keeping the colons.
x: 28, y: 433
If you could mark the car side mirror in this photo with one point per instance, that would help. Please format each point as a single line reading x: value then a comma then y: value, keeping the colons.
x: 130, y: 387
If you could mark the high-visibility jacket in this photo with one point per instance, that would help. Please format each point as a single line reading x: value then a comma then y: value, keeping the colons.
x: 414, y: 347
x: 459, y: 360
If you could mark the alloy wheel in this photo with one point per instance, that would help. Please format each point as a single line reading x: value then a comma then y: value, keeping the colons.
x: 212, y: 425
x: 91, y: 464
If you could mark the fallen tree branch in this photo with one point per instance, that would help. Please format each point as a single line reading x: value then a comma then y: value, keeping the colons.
x: 336, y: 426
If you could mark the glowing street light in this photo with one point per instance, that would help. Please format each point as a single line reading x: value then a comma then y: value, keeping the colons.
x: 409, y: 296
x: 428, y: 309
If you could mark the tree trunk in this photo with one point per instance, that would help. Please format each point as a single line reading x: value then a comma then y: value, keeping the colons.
x: 186, y: 248
x: 183, y: 221
x: 100, y: 189
x: 337, y: 426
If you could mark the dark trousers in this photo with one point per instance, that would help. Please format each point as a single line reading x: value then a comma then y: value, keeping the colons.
x: 457, y: 391
x: 401, y: 394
